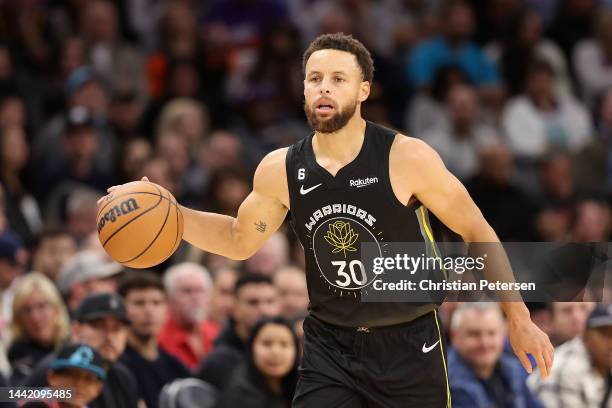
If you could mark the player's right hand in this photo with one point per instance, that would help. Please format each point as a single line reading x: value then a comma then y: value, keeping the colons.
x: 113, y: 188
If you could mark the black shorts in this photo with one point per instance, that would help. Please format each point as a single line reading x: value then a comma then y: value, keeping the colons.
x: 392, y: 366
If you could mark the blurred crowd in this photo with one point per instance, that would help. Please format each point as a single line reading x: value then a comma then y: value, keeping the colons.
x: 515, y: 95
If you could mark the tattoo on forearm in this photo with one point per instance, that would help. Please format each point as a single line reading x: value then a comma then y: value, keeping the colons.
x: 261, y: 226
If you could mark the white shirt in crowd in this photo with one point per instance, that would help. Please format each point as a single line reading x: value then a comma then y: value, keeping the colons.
x: 532, y: 133
x: 593, y: 72
x: 573, y: 381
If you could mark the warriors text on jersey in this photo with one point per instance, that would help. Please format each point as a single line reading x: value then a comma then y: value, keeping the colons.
x: 334, y: 215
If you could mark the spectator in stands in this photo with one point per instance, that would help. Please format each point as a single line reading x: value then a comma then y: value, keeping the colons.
x: 592, y: 221
x: 13, y: 260
x: 188, y: 333
x: 222, y: 149
x: 80, y: 144
x: 274, y: 254
x: 269, y: 375
x: 569, y: 320
x: 572, y: 23
x: 174, y: 150
x: 40, y: 324
x: 86, y: 273
x: 146, y: 306
x: 459, y: 139
x: 159, y: 171
x: 13, y: 112
x: 504, y: 203
x: 223, y: 299
x: 593, y: 164
x: 227, y: 188
x: 540, y: 121
x: 425, y: 111
x: 479, y: 373
x: 557, y: 197
x: 188, y: 118
x: 136, y: 153
x: 256, y: 297
x: 101, y: 323
x: 293, y: 293
x: 124, y: 113
x: 522, y: 41
x: 53, y: 249
x: 592, y: 59
x: 85, y: 90
x: 117, y: 62
x: 80, y: 212
x: 542, y: 316
x: 453, y: 47
x: 21, y: 209
x: 581, y: 375
x: 80, y: 369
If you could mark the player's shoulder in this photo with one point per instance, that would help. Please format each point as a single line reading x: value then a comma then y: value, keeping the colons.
x: 412, y: 151
x: 273, y: 161
x: 271, y: 172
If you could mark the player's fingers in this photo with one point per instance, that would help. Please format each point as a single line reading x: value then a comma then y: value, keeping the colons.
x: 112, y: 188
x: 549, y: 358
x: 522, y: 356
x: 539, y: 358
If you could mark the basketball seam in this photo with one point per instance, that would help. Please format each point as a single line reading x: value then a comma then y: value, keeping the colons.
x: 177, y: 231
x: 129, y: 193
x: 156, y: 236
x: 174, y: 246
x: 134, y: 219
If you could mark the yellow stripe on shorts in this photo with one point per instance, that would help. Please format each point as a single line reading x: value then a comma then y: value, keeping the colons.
x: 448, y: 393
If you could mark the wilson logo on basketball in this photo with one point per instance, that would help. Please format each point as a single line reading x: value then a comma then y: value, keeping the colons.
x: 117, y: 211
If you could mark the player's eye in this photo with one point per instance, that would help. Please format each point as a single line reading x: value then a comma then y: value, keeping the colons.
x: 338, y: 79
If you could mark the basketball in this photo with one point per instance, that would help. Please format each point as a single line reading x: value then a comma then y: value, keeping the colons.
x: 140, y: 224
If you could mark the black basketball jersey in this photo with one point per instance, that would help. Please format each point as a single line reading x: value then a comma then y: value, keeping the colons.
x: 334, y: 215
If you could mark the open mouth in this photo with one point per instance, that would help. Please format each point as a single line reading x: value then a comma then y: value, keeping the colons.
x: 324, y: 107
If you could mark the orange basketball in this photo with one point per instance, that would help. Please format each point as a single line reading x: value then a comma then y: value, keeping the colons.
x: 140, y: 224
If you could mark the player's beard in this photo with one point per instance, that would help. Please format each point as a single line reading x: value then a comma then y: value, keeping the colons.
x: 332, y: 124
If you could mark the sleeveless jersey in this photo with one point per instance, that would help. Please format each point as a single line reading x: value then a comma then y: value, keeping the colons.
x: 334, y: 215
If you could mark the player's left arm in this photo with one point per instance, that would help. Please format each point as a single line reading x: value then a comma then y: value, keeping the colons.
x: 415, y: 165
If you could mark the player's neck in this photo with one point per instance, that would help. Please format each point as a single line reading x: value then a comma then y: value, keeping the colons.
x: 342, y: 146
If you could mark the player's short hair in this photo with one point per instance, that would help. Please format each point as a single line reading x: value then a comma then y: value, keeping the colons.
x: 342, y: 42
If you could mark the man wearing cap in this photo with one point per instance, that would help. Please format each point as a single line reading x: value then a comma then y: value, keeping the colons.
x: 85, y: 273
x: 101, y: 323
x: 581, y: 376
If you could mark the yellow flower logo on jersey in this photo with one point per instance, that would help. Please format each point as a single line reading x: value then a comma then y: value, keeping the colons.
x: 341, y: 237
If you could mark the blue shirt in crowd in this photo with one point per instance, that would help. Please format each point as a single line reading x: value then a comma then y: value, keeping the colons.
x: 505, y: 389
x: 427, y: 58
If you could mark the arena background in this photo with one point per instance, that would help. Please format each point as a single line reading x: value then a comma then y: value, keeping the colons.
x: 516, y: 97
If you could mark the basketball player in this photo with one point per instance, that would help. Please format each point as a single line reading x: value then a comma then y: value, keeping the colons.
x: 363, y: 183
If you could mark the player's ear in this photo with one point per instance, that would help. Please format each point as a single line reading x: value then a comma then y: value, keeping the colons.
x: 364, y: 91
